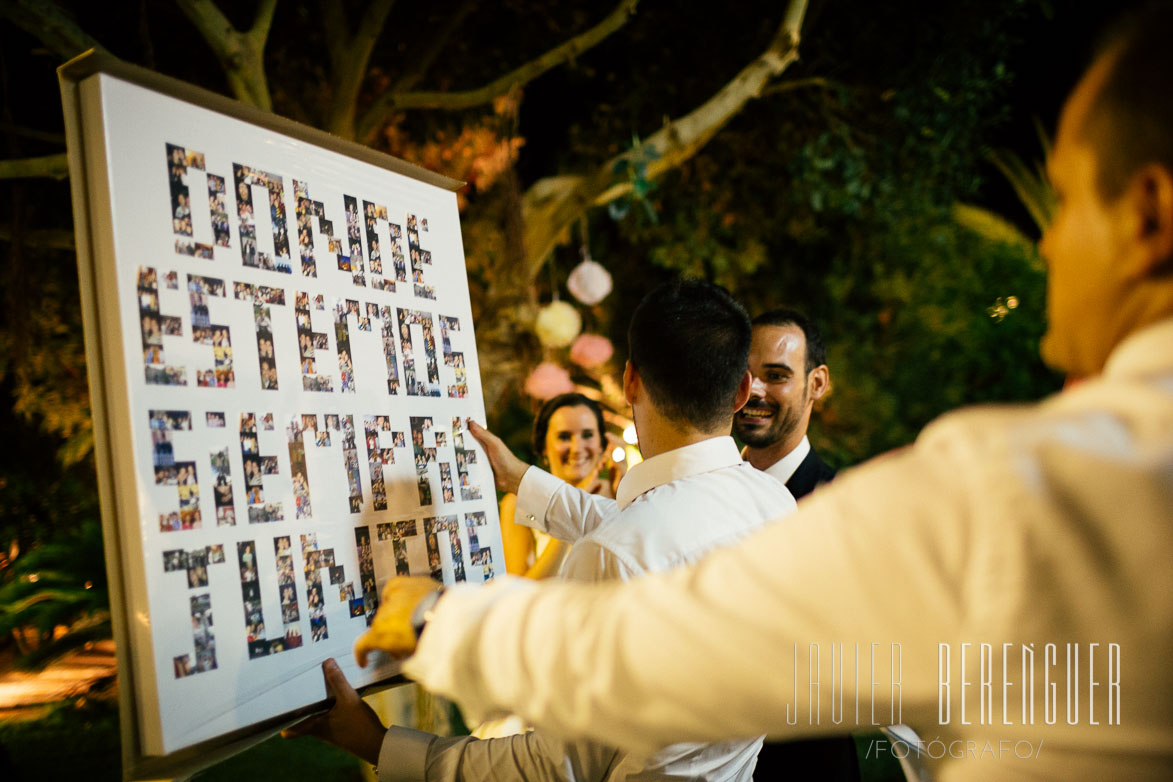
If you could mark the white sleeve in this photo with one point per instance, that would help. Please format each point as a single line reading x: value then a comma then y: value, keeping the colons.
x: 555, y: 507
x: 721, y: 649
x: 590, y: 561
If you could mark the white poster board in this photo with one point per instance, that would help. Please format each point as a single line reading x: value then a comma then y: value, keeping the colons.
x: 287, y: 359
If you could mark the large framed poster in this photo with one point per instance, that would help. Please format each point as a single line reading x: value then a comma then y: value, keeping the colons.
x: 282, y: 362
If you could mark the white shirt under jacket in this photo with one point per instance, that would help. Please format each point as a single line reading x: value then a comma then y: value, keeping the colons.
x: 784, y: 468
x: 1039, y: 524
x: 669, y: 511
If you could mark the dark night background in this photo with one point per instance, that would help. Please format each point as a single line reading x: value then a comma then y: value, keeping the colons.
x: 835, y: 191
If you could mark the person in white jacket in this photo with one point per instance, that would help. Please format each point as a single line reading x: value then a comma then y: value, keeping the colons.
x: 1006, y: 580
x: 689, y: 343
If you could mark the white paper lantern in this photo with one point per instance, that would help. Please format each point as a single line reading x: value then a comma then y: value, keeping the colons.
x: 589, y: 282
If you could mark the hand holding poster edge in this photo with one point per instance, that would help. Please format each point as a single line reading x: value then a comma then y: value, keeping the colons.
x: 394, y: 628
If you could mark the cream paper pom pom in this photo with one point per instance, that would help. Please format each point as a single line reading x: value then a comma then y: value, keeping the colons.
x: 558, y: 324
x: 589, y: 282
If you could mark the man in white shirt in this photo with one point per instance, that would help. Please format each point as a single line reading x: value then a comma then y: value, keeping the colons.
x: 1019, y: 555
x: 688, y: 345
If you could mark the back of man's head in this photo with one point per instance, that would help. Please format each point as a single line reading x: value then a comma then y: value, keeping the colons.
x: 689, y: 341
x: 1130, y: 123
x: 816, y: 350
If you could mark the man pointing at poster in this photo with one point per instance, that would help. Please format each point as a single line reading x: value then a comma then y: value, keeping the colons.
x: 689, y: 343
x: 1007, y: 577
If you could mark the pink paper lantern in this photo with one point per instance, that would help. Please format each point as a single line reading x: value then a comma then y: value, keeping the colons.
x: 548, y: 380
x: 591, y: 350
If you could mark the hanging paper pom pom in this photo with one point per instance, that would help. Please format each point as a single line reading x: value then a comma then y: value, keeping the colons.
x: 591, y: 350
x: 558, y: 324
x: 589, y: 282
x: 548, y: 380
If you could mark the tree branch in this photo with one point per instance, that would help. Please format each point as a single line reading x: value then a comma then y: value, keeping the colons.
x: 241, y: 55
x: 552, y: 205
x: 334, y: 29
x: 54, y: 166
x: 425, y: 60
x: 799, y: 84
x: 33, y: 133
x: 350, y: 70
x: 259, y: 32
x: 568, y: 50
x: 51, y: 25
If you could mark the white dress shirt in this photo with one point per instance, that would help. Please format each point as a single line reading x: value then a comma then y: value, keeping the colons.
x: 784, y: 468
x: 669, y: 510
x: 1027, y: 525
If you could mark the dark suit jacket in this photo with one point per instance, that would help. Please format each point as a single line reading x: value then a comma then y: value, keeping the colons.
x: 817, y: 759
x: 812, y: 472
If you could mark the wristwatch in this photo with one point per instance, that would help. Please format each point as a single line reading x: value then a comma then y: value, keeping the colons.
x: 423, y: 611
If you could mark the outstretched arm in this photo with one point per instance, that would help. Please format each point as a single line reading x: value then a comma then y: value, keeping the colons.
x: 405, y: 754
x: 543, y: 501
x: 715, y: 651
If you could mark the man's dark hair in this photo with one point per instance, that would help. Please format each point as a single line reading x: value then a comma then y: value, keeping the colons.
x: 1130, y: 122
x: 816, y: 351
x: 689, y: 341
x: 542, y: 421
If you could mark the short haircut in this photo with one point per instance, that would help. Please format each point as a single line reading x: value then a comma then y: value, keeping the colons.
x: 689, y: 341
x: 1130, y: 122
x: 542, y: 422
x: 816, y: 351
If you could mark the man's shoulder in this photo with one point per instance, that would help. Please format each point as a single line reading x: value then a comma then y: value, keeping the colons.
x: 682, y: 519
x: 737, y: 485
x: 1107, y: 416
x: 825, y: 471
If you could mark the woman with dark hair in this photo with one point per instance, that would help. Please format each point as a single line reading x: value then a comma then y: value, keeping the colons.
x: 569, y: 440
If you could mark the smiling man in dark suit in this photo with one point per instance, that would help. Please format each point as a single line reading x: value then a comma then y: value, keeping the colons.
x: 789, y: 365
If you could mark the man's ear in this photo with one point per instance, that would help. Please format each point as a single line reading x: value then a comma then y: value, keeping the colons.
x: 631, y: 384
x: 743, y: 390
x: 819, y: 382
x: 1150, y: 198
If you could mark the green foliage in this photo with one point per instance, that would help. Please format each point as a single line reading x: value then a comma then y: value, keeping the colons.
x: 80, y: 740
x: 77, y: 739
x: 840, y: 197
x: 1030, y: 182
x: 634, y: 168
x: 280, y: 760
x: 927, y: 334
x: 42, y: 352
x: 40, y: 498
x: 58, y: 583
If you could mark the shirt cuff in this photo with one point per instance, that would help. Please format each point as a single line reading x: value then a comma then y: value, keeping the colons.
x: 404, y: 755
x: 437, y: 664
x: 534, y: 496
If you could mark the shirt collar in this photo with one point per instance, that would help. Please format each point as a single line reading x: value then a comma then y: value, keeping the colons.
x: 1144, y: 352
x: 784, y: 468
x: 705, y: 456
